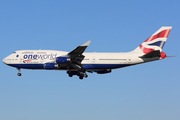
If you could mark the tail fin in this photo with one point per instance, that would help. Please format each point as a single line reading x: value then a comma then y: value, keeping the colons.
x: 155, y: 41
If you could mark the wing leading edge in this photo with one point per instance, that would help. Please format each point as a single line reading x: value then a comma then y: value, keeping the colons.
x: 79, y: 50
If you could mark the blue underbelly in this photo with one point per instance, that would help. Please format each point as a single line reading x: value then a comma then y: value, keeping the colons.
x: 85, y: 66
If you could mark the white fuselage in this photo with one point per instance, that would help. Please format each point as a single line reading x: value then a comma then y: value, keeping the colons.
x: 76, y: 62
x: 35, y: 59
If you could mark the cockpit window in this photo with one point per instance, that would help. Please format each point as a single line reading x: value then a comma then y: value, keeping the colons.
x: 14, y: 52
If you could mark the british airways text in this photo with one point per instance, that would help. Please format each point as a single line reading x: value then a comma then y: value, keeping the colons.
x: 38, y: 56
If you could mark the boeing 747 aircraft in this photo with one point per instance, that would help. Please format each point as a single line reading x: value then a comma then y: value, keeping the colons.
x: 78, y: 63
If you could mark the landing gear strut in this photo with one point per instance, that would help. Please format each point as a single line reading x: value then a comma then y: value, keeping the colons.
x: 69, y: 73
x: 19, y: 74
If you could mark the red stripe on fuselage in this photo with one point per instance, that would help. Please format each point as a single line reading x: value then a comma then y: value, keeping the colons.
x: 27, y: 60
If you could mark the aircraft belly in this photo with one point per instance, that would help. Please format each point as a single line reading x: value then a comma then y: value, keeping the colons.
x: 85, y: 66
x: 28, y: 66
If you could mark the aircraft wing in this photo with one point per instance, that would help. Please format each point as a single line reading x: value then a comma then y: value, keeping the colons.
x: 77, y: 57
x: 79, y: 50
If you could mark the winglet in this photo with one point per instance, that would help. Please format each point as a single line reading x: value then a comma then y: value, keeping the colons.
x: 86, y: 44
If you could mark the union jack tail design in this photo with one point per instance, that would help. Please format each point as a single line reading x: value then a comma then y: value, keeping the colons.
x: 155, y: 41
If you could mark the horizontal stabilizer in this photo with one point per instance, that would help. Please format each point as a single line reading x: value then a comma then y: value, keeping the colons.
x: 154, y: 53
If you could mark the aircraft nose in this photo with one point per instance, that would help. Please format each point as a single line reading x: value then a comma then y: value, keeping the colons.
x: 4, y: 61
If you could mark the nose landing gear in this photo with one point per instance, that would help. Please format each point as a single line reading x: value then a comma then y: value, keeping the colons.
x: 19, y: 74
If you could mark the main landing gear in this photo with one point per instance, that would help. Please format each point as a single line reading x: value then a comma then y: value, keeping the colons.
x: 19, y: 74
x: 80, y: 74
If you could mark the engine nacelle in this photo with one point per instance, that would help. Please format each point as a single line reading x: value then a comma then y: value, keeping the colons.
x: 50, y: 66
x: 162, y: 55
x: 61, y: 60
x: 104, y: 71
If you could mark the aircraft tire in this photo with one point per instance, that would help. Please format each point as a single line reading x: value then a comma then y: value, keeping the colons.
x: 70, y: 75
x: 81, y: 77
x: 19, y: 74
x: 85, y: 75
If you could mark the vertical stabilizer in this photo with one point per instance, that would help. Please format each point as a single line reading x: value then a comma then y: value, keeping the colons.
x: 155, y: 41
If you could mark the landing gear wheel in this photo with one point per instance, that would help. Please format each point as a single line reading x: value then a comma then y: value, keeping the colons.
x: 19, y: 70
x: 81, y: 77
x: 70, y: 75
x: 19, y: 74
x: 85, y: 75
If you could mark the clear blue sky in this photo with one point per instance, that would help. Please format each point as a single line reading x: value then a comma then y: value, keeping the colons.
x: 148, y: 91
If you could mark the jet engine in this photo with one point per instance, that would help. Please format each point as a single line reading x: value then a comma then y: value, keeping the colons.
x: 61, y: 60
x: 49, y: 66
